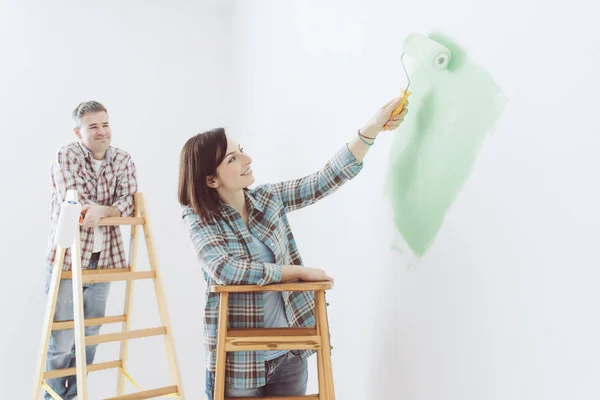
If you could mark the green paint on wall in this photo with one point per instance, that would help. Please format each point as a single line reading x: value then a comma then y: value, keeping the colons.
x: 450, y: 113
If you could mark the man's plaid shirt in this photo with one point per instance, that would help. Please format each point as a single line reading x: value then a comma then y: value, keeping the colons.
x: 72, y: 169
x: 224, y: 249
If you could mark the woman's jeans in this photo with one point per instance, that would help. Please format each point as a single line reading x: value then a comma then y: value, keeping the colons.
x: 287, y: 375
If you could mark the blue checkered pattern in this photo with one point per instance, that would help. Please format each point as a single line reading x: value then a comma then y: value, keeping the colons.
x: 224, y: 248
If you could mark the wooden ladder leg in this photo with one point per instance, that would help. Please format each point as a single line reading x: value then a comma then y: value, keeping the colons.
x: 78, y: 318
x: 320, y: 362
x: 219, y: 393
x: 160, y: 297
x: 126, y: 325
x: 326, y: 346
x: 48, y: 320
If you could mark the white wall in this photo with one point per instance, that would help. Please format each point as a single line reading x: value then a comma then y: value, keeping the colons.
x: 503, y: 306
x: 160, y: 67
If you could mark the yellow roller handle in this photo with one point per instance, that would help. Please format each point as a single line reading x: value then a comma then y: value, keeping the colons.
x: 400, y: 107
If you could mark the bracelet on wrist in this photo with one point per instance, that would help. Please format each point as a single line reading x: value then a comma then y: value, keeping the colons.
x: 363, y: 137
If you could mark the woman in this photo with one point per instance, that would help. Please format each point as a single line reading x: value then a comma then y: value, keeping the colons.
x: 242, y: 236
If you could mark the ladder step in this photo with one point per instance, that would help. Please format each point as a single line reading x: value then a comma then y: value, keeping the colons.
x: 148, y: 394
x: 110, y: 275
x: 307, y: 397
x: 108, y: 221
x: 253, y: 343
x: 85, y: 272
x: 262, y: 332
x: 58, y: 325
x: 60, y: 373
x: 120, y: 336
x: 123, y: 276
x: 275, y: 287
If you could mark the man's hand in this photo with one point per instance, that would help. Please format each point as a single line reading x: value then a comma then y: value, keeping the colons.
x: 94, y: 212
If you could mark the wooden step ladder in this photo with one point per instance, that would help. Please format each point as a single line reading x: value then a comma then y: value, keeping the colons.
x: 317, y: 338
x: 129, y: 275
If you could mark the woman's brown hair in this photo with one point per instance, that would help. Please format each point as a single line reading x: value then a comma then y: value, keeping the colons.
x: 199, y: 159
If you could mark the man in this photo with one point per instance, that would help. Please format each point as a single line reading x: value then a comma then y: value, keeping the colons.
x: 105, y: 179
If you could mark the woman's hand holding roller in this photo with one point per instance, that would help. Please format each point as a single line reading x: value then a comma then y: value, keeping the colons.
x: 383, y: 118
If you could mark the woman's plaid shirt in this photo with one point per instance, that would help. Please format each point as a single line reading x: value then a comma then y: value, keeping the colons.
x: 224, y: 249
x: 72, y: 169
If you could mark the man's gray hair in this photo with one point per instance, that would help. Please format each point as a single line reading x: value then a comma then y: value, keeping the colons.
x: 86, y: 107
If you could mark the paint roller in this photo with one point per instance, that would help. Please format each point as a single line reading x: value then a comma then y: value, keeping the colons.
x: 424, y: 51
x: 68, y: 223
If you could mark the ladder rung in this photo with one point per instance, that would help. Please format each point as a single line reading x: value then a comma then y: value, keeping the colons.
x: 262, y: 332
x: 118, y: 276
x: 85, y: 272
x: 276, y: 287
x: 147, y: 394
x: 253, y: 343
x: 60, y: 373
x: 306, y: 397
x: 119, y: 336
x: 110, y: 275
x: 107, y: 221
x: 58, y: 325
